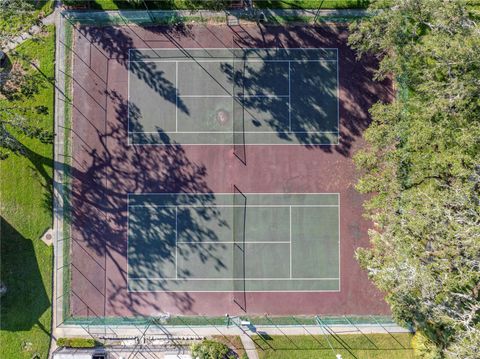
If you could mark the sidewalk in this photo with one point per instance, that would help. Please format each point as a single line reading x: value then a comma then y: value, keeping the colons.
x: 205, y: 15
x: 249, y: 346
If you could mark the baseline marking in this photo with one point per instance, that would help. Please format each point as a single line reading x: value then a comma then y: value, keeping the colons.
x: 233, y: 242
x: 210, y: 132
x: 236, y: 291
x: 229, y: 143
x: 226, y: 60
x: 176, y: 242
x: 228, y: 96
x: 128, y: 99
x: 289, y: 99
x: 339, y: 253
x: 290, y: 236
x: 231, y: 205
x: 176, y: 96
x: 230, y: 193
x: 338, y: 102
x: 225, y: 279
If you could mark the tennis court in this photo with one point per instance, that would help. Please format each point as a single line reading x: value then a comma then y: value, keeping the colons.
x: 233, y: 242
x: 233, y: 96
x: 154, y: 228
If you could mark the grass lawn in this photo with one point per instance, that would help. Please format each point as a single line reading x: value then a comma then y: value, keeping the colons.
x: 26, y: 212
x: 381, y: 346
x: 312, y: 4
x: 19, y: 22
x: 263, y: 4
x: 189, y: 4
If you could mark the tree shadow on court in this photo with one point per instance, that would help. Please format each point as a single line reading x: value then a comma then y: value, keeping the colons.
x: 358, y: 90
x: 105, y: 171
x: 313, y: 109
x: 105, y: 168
x: 121, y: 45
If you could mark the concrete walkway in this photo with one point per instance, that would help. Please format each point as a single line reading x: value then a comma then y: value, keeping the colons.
x: 158, y: 15
x: 249, y: 346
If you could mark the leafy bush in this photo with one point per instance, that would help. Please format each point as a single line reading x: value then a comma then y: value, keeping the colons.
x: 423, y: 347
x: 77, y: 343
x: 209, y: 349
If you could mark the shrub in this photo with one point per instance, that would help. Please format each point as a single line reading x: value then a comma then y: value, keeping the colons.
x: 77, y: 342
x: 209, y: 349
x: 424, y: 348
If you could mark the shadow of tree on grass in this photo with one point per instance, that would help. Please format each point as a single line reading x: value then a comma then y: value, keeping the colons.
x: 26, y: 298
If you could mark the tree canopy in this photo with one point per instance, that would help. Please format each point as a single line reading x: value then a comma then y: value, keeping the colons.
x: 422, y: 167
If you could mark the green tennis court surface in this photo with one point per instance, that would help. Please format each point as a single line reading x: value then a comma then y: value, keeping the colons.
x: 225, y: 96
x: 233, y: 242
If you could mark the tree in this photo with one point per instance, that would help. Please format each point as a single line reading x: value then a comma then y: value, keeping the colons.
x: 210, y: 349
x: 422, y: 166
x: 15, y: 16
x: 16, y: 85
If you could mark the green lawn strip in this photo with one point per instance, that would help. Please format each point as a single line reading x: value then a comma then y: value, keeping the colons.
x: 68, y: 28
x: 21, y: 21
x: 261, y: 4
x: 311, y: 4
x: 124, y: 4
x: 394, y: 346
x: 26, y: 207
x: 198, y: 5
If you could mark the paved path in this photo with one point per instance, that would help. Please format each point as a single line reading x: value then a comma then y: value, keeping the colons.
x: 249, y: 346
x: 158, y: 15
x: 58, y: 172
x: 206, y: 331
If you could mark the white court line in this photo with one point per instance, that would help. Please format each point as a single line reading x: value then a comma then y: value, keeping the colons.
x: 176, y: 96
x: 231, y: 193
x: 289, y: 98
x: 229, y: 96
x: 290, y: 236
x: 213, y: 132
x: 339, y: 253
x: 234, y: 291
x: 229, y: 144
x: 232, y: 49
x: 176, y: 242
x: 230, y: 206
x: 338, y: 101
x: 128, y: 100
x: 128, y: 231
x: 168, y: 60
x: 219, y: 279
x: 233, y: 242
